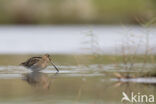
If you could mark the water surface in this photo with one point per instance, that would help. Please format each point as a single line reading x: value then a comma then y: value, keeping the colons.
x: 82, y: 79
x: 74, y: 84
x: 72, y: 38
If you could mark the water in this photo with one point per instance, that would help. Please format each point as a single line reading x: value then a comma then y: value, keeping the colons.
x: 72, y: 39
x: 79, y: 84
x: 64, y: 90
x: 81, y: 80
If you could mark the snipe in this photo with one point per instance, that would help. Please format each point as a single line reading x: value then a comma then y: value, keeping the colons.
x: 38, y: 63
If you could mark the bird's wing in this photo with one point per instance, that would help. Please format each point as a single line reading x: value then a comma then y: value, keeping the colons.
x: 31, y: 61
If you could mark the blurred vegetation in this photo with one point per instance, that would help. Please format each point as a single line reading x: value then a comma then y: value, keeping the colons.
x: 59, y: 59
x: 76, y: 11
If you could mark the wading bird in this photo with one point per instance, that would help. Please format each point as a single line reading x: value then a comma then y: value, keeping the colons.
x: 38, y: 63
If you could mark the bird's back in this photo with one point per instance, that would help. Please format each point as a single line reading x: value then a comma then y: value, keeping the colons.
x: 30, y: 62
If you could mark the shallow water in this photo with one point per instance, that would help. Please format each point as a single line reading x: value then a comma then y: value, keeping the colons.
x: 91, y: 83
x: 76, y: 84
x: 72, y: 38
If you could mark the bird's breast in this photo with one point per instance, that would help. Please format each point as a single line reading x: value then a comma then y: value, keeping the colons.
x: 43, y: 64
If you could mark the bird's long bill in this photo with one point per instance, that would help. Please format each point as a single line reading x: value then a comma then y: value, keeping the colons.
x: 55, y: 67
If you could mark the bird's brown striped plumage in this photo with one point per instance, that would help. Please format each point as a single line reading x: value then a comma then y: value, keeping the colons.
x: 31, y: 61
x: 38, y: 63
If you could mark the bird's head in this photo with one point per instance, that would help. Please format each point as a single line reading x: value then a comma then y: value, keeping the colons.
x: 47, y: 56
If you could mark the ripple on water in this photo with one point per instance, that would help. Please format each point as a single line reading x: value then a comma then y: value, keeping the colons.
x: 70, y: 71
x: 8, y: 76
x: 137, y: 80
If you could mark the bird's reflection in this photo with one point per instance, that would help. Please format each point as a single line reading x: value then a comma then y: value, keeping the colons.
x: 38, y: 79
